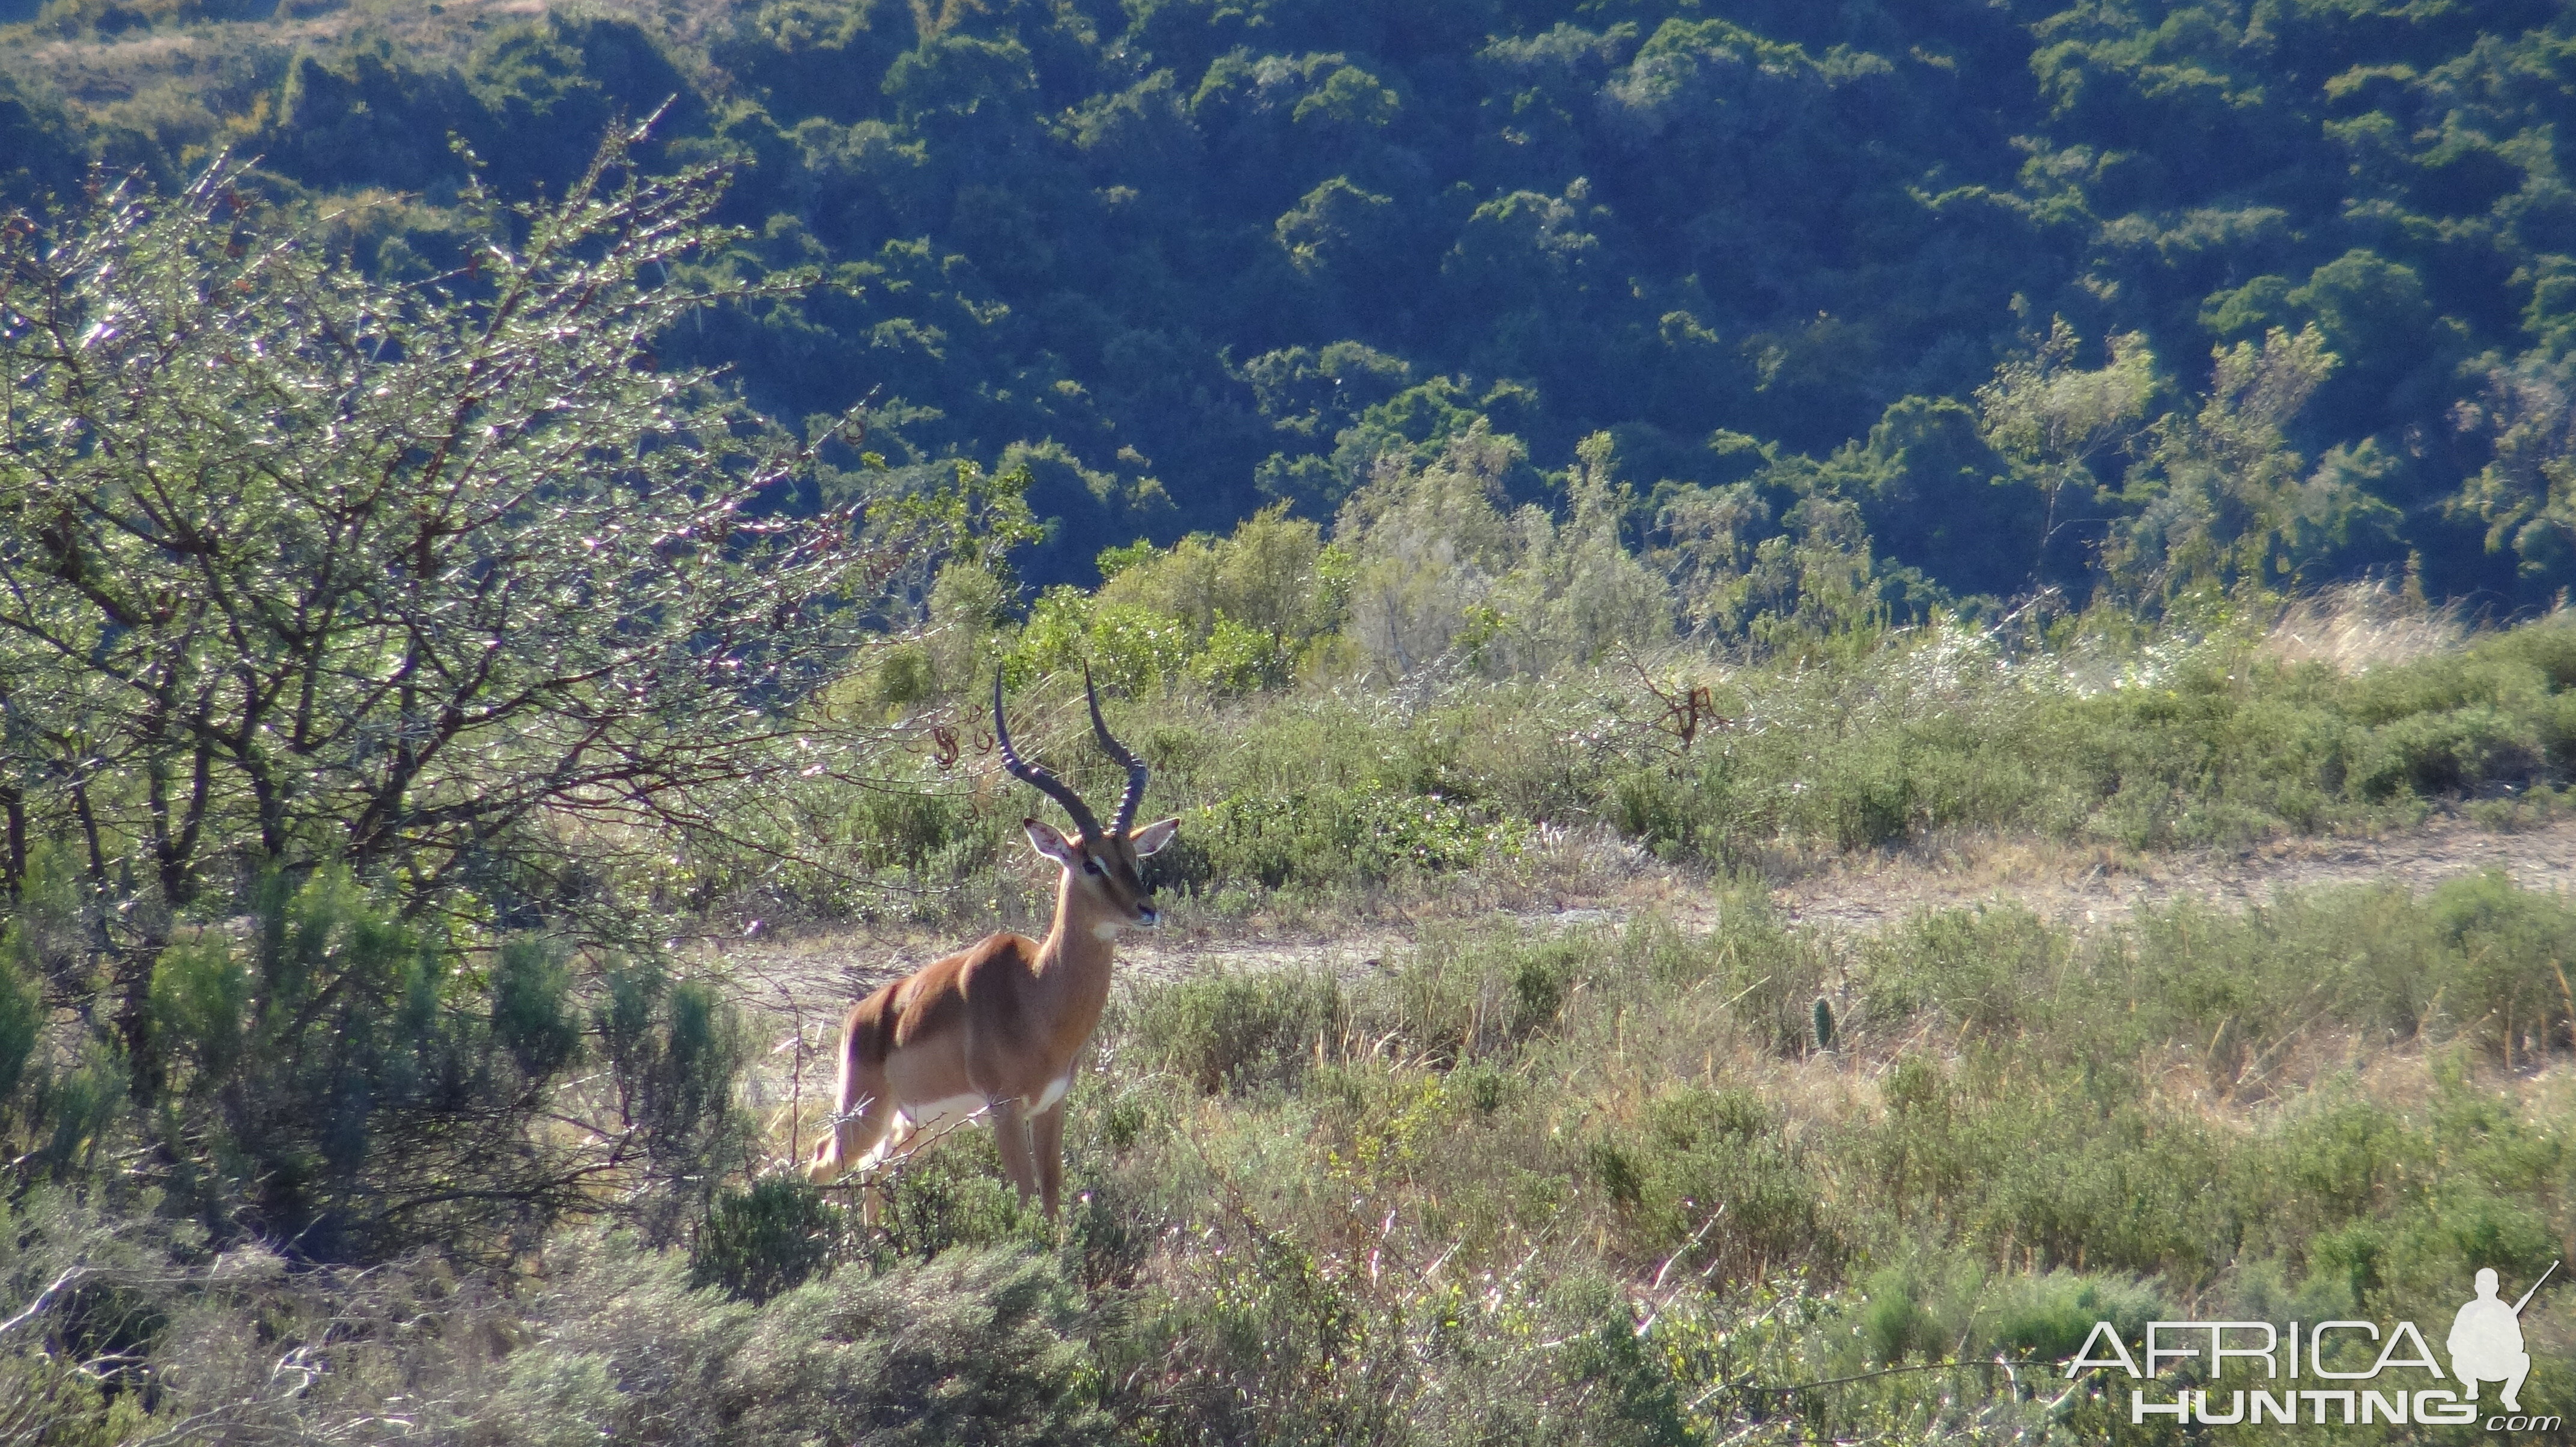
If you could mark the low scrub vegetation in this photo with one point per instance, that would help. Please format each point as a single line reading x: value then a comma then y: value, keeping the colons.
x: 1326, y: 785
x: 1598, y: 1186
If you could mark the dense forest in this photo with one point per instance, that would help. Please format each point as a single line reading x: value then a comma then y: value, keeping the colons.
x: 2122, y: 300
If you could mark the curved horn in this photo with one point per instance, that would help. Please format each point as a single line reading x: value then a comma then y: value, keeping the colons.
x: 1136, y: 774
x: 1028, y: 773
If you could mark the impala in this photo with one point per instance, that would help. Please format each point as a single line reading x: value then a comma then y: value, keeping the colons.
x: 998, y: 1027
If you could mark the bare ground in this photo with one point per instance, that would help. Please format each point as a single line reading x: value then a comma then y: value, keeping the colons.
x: 801, y: 984
x: 1576, y: 882
x: 2100, y: 886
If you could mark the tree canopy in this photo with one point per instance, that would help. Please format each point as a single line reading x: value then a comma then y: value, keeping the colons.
x: 352, y: 628
x: 1184, y: 260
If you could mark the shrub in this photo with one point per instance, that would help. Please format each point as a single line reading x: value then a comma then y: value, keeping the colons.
x: 2431, y: 755
x: 976, y: 1346
x: 21, y: 1018
x: 1768, y: 974
x: 758, y: 1242
x: 2048, y: 1316
x: 674, y: 1048
x: 1239, y: 1033
x: 333, y: 1078
x: 2507, y: 951
x: 1920, y: 1310
x: 951, y: 1198
x: 1982, y: 968
x: 1629, y: 1388
x: 324, y: 1073
x: 1466, y: 997
x: 2338, y: 1161
x: 1367, y: 833
x: 530, y: 986
x: 1711, y: 1185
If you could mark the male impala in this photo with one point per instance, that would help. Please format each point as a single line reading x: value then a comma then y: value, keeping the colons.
x: 998, y: 1026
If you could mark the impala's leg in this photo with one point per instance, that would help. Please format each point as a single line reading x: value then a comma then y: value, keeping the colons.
x: 1011, y: 1130
x: 1046, y: 1133
x: 864, y: 1120
x: 862, y: 1108
x: 893, y: 1145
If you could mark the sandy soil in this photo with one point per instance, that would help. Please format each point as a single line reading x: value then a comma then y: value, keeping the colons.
x: 2065, y: 885
x: 812, y: 977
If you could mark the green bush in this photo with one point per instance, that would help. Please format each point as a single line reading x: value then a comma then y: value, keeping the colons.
x: 316, y: 1068
x: 1920, y: 1310
x: 1712, y: 1185
x: 952, y: 1198
x: 1629, y: 1392
x: 2342, y: 1160
x: 201, y: 989
x: 2435, y: 755
x: 531, y: 986
x: 1369, y: 834
x: 2049, y: 1316
x: 2506, y: 954
x: 675, y: 1049
x: 22, y: 1018
x: 1767, y: 974
x: 1987, y: 969
x: 1471, y: 996
x: 976, y: 1346
x: 1238, y: 1033
x: 758, y: 1242
x: 326, y: 1073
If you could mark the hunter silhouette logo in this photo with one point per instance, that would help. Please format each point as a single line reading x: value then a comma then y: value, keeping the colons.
x: 2486, y: 1341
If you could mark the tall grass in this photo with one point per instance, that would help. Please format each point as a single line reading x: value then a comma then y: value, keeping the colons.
x: 2316, y: 1108
x: 1598, y: 1186
x: 1870, y: 739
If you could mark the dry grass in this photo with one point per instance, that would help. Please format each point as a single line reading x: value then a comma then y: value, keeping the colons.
x: 2354, y: 627
x: 92, y: 74
x: 2098, y: 884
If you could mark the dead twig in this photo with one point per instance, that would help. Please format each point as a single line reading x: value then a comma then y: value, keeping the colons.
x: 1688, y: 707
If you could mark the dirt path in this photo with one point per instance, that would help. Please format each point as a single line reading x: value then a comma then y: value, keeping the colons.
x: 2094, y: 888
x: 814, y: 977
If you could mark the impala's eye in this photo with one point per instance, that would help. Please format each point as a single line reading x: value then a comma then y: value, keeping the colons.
x: 1092, y: 866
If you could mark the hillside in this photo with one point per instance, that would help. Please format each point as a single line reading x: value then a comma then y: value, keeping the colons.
x: 1828, y: 702
x: 1804, y: 265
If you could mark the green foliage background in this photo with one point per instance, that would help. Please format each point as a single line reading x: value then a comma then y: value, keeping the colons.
x: 1183, y: 259
x: 1519, y: 449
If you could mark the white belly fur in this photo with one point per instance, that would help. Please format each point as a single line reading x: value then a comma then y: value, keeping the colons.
x: 924, y: 1118
x: 931, y: 1115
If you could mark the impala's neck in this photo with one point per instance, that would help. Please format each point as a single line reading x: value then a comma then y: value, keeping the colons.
x: 1077, y: 947
x: 1072, y: 984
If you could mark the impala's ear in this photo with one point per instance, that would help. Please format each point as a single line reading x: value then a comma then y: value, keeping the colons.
x: 1044, y: 838
x: 1151, y: 839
